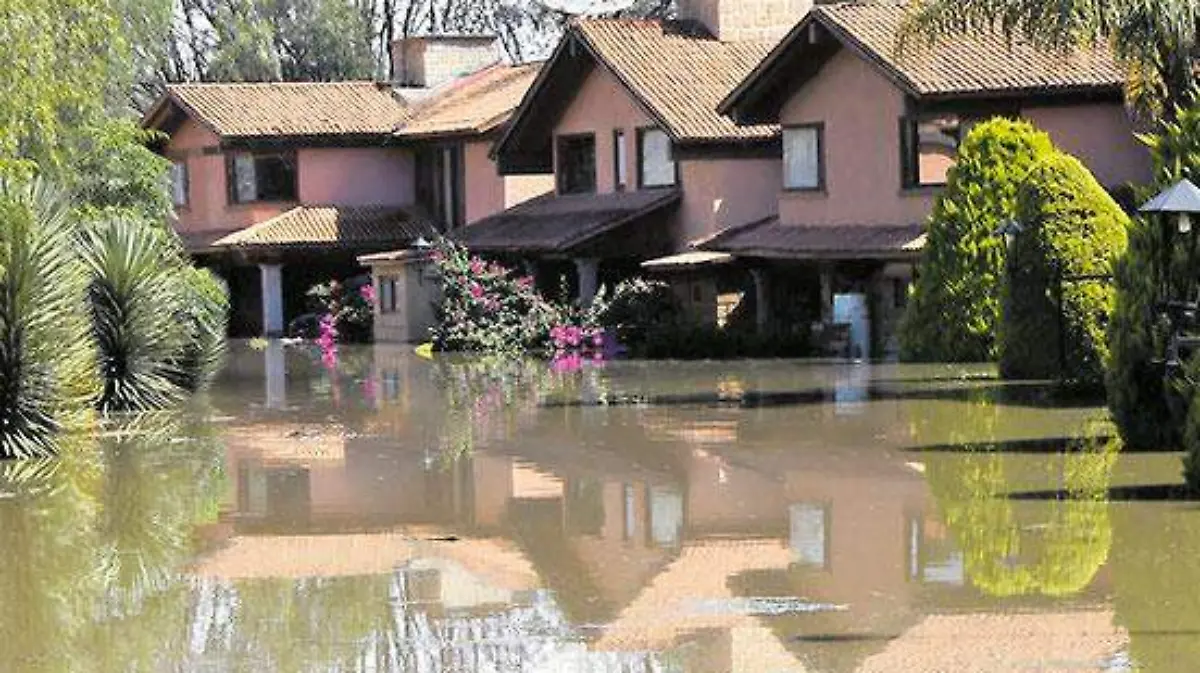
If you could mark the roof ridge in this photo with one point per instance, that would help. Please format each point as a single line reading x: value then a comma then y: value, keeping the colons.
x: 218, y: 85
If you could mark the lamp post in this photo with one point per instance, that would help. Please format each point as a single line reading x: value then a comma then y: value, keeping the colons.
x: 1176, y: 206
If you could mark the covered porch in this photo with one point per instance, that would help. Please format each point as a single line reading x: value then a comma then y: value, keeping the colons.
x: 849, y: 282
x: 271, y: 265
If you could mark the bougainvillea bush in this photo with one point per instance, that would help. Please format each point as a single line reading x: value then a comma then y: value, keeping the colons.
x: 487, y: 308
x: 349, y: 305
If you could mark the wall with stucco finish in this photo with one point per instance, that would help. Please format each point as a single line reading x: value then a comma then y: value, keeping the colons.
x: 720, y: 193
x: 1101, y: 136
x: 355, y: 176
x: 600, y: 106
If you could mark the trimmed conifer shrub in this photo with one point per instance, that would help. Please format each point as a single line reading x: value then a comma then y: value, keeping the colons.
x: 955, y: 305
x: 1059, y: 295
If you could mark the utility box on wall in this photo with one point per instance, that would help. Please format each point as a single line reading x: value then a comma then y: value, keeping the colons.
x: 407, y: 287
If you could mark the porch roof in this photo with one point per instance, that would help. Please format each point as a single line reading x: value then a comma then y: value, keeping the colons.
x: 772, y: 239
x: 348, y: 227
x: 553, y: 223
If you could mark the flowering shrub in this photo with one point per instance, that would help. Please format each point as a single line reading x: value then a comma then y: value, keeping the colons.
x: 486, y: 308
x: 350, y: 305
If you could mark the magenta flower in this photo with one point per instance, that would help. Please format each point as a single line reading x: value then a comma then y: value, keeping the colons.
x: 477, y: 266
x: 525, y: 282
x: 573, y: 336
x: 367, y: 292
x: 476, y: 290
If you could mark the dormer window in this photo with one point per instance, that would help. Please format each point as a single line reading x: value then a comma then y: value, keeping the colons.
x: 257, y: 177
x: 179, y: 183
x: 803, y: 158
x: 656, y: 163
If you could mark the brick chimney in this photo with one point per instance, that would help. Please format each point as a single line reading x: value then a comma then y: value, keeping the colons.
x: 746, y: 20
x: 432, y: 60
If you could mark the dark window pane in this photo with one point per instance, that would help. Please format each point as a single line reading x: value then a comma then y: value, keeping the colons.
x: 577, y: 164
x: 276, y: 176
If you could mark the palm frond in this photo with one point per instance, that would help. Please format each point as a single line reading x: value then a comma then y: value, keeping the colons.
x: 47, y: 372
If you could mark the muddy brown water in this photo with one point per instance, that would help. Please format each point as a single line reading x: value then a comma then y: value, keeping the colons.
x: 398, y: 514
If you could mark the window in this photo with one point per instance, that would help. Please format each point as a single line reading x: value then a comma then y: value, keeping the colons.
x: 804, y: 157
x: 179, y: 183
x: 387, y: 294
x: 929, y: 147
x: 262, y: 177
x: 620, y: 161
x: 656, y: 167
x: 440, y: 183
x: 577, y: 164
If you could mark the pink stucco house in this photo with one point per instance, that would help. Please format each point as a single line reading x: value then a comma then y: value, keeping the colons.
x: 279, y: 186
x: 775, y: 155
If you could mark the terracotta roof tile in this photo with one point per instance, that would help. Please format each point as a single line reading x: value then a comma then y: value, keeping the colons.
x: 292, y: 108
x: 680, y: 71
x: 474, y: 104
x: 969, y: 63
x: 345, y: 226
x: 770, y: 238
x: 554, y: 223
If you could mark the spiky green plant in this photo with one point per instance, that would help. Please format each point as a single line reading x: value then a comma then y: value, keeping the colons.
x: 205, y: 311
x: 134, y: 300
x: 47, y: 373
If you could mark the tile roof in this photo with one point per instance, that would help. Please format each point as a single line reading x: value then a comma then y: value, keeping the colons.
x: 679, y: 71
x: 203, y: 240
x: 353, y: 227
x: 291, y: 108
x: 770, y: 238
x: 969, y: 63
x: 475, y: 104
x: 555, y: 223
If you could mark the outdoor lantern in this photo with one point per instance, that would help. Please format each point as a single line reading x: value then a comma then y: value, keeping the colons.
x: 421, y: 244
x: 1179, y: 202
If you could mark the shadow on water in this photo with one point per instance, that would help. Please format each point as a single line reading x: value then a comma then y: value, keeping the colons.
x: 1138, y: 493
x: 1038, y: 395
x: 1047, y: 446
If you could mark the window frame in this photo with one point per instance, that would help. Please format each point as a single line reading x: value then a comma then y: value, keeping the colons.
x: 231, y: 176
x: 642, y: 131
x: 620, y: 160
x: 181, y: 162
x: 560, y: 141
x: 819, y: 128
x: 910, y: 158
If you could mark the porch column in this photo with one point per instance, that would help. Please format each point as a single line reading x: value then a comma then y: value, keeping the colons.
x: 826, y: 273
x: 272, y: 298
x: 276, y: 375
x: 587, y: 269
x: 762, y: 299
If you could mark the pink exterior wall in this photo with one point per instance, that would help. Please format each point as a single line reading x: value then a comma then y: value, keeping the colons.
x: 600, y: 106
x: 719, y: 193
x: 338, y: 176
x: 860, y: 110
x: 484, y: 184
x: 1101, y: 136
x: 355, y: 176
x: 208, y: 207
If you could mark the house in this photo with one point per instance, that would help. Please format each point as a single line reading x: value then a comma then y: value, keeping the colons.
x: 624, y: 114
x: 869, y: 133
x: 279, y: 186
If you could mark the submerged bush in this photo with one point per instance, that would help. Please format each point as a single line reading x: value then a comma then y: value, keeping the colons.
x: 47, y: 372
x: 1059, y: 295
x: 203, y: 315
x: 486, y: 308
x: 636, y: 308
x: 955, y: 304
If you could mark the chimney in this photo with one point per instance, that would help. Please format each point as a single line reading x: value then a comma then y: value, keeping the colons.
x: 432, y: 60
x: 746, y: 20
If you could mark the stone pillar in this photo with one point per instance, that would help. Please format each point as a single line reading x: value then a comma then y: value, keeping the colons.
x: 826, y: 273
x: 762, y: 299
x: 587, y: 269
x: 272, y: 299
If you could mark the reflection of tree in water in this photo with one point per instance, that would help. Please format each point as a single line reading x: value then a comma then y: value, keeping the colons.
x: 1052, y: 547
x: 93, y: 542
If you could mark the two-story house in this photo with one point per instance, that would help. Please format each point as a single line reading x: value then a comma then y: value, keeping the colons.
x: 279, y: 186
x: 870, y: 131
x: 624, y: 114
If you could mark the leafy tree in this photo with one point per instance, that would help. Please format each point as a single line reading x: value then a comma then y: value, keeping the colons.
x: 1058, y: 276
x: 1156, y: 40
x: 955, y: 305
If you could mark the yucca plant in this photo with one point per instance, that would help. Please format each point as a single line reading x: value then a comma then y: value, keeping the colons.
x: 135, y: 300
x: 47, y: 368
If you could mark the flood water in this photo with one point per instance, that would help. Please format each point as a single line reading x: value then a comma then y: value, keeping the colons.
x: 398, y: 514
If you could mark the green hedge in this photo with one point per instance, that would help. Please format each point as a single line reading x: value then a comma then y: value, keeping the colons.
x: 955, y: 305
x: 1072, y: 229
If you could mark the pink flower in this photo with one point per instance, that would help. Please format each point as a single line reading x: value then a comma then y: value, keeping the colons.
x: 573, y: 335
x: 598, y: 339
x: 477, y: 266
x: 476, y: 290
x: 525, y: 282
x: 367, y: 292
